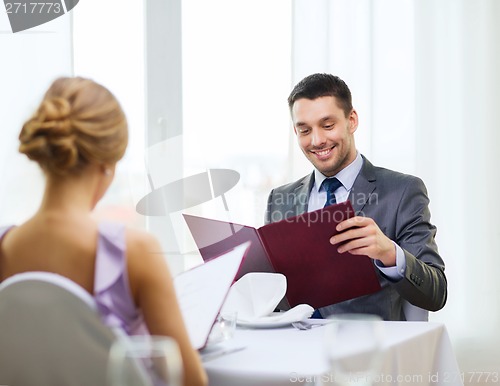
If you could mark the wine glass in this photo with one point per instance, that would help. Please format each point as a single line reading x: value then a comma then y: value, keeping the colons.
x: 353, y: 344
x: 223, y: 328
x: 144, y: 360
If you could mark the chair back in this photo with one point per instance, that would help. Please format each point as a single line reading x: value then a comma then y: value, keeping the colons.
x: 51, y: 333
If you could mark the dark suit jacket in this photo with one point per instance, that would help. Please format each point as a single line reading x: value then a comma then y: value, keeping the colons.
x: 399, y: 205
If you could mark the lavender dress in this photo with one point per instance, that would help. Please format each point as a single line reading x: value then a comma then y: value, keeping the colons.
x: 111, y: 286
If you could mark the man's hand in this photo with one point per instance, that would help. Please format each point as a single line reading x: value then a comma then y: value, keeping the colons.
x: 362, y: 236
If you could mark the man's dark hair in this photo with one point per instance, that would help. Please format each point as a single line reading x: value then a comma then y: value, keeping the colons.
x: 320, y: 85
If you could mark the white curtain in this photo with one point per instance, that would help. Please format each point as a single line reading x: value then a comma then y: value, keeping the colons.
x: 425, y: 81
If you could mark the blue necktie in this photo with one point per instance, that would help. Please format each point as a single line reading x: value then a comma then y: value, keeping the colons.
x: 331, y: 185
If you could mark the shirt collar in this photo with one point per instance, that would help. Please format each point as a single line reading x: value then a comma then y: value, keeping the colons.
x: 346, y: 176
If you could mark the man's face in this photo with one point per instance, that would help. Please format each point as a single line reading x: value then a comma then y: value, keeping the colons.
x: 324, y: 133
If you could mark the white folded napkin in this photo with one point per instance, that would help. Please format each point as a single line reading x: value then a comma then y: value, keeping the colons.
x: 255, y: 296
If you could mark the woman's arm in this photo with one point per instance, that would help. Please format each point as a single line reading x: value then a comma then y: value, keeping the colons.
x: 153, y: 292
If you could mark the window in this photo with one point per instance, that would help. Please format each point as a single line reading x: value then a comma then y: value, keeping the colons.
x: 112, y: 53
x: 236, y: 79
x: 31, y: 61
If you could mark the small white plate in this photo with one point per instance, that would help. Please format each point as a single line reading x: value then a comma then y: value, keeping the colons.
x: 265, y: 324
x: 280, y: 319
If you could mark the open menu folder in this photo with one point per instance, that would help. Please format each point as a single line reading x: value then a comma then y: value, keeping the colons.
x: 201, y: 292
x: 299, y: 248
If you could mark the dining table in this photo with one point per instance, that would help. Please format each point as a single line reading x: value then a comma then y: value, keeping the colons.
x: 413, y: 353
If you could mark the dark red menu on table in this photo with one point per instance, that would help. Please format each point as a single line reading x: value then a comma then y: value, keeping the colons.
x: 299, y: 248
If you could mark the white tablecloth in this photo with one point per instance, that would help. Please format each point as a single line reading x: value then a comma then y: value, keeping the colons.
x: 416, y: 353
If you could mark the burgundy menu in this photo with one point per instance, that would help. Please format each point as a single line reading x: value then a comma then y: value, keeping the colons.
x: 299, y: 248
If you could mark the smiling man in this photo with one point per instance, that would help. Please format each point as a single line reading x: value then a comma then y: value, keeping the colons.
x: 392, y: 223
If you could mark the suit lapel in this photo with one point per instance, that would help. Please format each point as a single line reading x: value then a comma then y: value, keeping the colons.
x: 363, y: 187
x: 301, y: 194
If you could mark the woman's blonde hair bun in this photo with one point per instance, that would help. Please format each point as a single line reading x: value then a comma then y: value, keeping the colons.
x: 78, y: 122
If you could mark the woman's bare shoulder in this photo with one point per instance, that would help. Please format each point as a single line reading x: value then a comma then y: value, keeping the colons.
x: 141, y: 241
